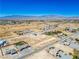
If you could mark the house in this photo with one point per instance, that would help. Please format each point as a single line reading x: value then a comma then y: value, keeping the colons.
x: 22, y: 47
x: 70, y: 29
x: 11, y: 51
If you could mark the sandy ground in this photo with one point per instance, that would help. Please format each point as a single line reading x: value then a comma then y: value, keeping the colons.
x: 40, y: 55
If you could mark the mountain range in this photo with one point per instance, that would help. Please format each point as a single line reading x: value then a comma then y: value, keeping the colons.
x: 44, y: 17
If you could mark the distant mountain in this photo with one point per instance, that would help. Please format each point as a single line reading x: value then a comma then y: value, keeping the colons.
x: 44, y: 17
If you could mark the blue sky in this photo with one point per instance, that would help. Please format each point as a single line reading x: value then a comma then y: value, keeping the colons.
x: 39, y: 7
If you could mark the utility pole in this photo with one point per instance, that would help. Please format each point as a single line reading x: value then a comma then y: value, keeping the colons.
x: 1, y: 51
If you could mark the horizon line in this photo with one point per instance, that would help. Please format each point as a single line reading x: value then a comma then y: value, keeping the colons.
x: 4, y: 15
